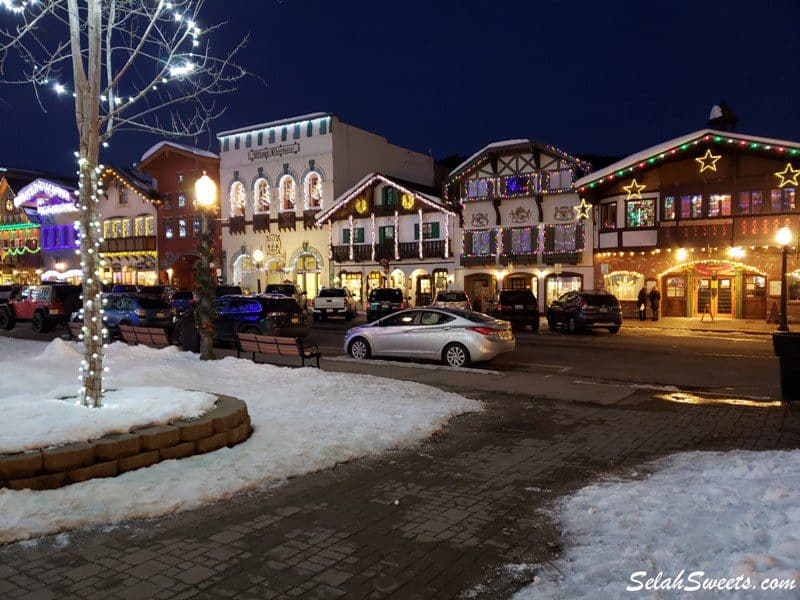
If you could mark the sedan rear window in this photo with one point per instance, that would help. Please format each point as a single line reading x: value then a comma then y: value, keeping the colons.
x: 600, y: 300
x: 386, y: 295
x: 332, y: 293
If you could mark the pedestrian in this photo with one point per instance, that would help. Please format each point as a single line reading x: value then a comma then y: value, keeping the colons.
x: 655, y: 300
x: 642, y: 302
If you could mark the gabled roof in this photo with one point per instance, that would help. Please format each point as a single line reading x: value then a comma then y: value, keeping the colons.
x: 278, y: 123
x: 673, y: 147
x: 66, y: 190
x: 421, y: 192
x: 152, y: 150
x: 140, y: 183
x: 515, y: 145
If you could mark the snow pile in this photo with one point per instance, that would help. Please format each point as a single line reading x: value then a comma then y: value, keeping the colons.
x: 304, y: 420
x: 51, y: 421
x: 734, y: 516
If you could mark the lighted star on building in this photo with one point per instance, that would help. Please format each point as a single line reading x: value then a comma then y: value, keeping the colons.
x: 708, y: 162
x: 788, y: 175
x: 634, y: 190
x: 582, y: 209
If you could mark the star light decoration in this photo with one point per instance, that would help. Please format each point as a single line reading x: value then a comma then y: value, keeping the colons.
x: 582, y: 210
x: 708, y: 162
x: 634, y: 190
x: 788, y: 176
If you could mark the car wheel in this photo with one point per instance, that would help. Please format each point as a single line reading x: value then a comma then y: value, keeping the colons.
x: 359, y: 349
x: 572, y: 325
x: 39, y: 323
x: 613, y: 330
x: 455, y: 355
x: 6, y: 320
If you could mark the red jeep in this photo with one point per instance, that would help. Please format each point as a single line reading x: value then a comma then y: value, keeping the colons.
x: 43, y: 305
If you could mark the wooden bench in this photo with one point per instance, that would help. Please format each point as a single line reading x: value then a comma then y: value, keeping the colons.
x: 147, y: 336
x: 268, y: 345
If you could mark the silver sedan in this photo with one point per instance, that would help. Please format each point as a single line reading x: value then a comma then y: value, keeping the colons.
x: 455, y: 337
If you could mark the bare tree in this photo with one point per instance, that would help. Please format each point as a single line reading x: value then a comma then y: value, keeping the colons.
x: 130, y: 65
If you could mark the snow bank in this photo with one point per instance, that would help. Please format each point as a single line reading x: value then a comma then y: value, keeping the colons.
x: 726, y: 514
x: 304, y: 420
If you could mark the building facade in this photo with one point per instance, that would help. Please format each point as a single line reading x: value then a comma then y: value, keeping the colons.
x: 277, y: 177
x: 175, y: 168
x: 696, y: 218
x: 20, y: 241
x: 522, y: 222
x: 384, y: 232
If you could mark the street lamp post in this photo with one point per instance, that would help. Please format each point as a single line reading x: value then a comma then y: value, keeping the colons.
x: 206, y: 197
x: 783, y: 238
x: 258, y: 259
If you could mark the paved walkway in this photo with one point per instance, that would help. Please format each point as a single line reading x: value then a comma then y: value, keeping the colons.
x: 437, y: 521
x: 720, y: 325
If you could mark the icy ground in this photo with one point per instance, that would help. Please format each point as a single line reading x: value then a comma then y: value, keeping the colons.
x: 304, y: 420
x: 726, y: 514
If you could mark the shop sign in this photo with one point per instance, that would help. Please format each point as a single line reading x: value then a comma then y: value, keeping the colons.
x: 272, y: 152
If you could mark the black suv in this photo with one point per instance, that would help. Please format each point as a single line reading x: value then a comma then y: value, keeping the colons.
x: 577, y: 311
x: 517, y: 306
x: 384, y: 301
x: 265, y: 315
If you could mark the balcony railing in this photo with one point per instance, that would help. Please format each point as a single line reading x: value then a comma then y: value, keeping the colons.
x: 386, y: 250
x: 569, y: 258
x: 528, y: 258
x: 133, y: 244
x: 478, y: 260
x: 286, y: 220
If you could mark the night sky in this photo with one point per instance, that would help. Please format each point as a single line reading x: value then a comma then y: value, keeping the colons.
x: 445, y: 78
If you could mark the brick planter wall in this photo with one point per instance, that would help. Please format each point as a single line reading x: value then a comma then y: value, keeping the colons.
x: 227, y: 424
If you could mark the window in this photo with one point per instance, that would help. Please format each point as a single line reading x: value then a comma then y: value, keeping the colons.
x: 388, y: 196
x: 358, y: 235
x: 400, y: 320
x: 640, y: 213
x: 608, y: 215
x: 625, y: 286
x: 182, y: 227
x: 776, y: 200
x: 558, y: 285
x: 669, y: 208
x: 181, y: 200
x: 116, y: 228
x: 386, y: 234
x: 236, y: 142
x: 180, y: 173
x: 287, y: 192
x: 477, y: 188
x: 430, y: 231
x: 107, y: 230
x: 676, y: 287
x: 149, y: 225
x: 138, y: 226
x: 226, y: 144
x: 296, y: 134
x: 782, y: 200
x: 261, y: 196
x: 481, y: 242
x: 196, y: 225
x: 126, y: 228
x: 744, y: 203
x: 521, y: 240
x: 313, y: 190
x: 283, y: 134
x: 435, y: 318
x: 719, y: 205
x: 692, y: 206
x: 237, y: 199
x: 248, y: 140
x: 564, y: 238
x: 123, y: 195
x: 168, y: 228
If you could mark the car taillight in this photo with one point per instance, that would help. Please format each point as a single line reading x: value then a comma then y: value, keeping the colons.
x: 499, y: 306
x: 276, y: 314
x: 346, y: 302
x: 402, y: 305
x: 483, y: 330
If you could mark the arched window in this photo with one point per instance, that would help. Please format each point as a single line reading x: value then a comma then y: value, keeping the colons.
x: 237, y: 199
x: 287, y: 192
x: 260, y: 196
x: 313, y: 190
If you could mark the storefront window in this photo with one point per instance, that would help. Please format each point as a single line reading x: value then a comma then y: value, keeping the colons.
x: 719, y: 205
x: 481, y: 242
x: 557, y: 285
x: 625, y: 286
x: 640, y: 213
x: 794, y: 288
x: 692, y: 206
x: 756, y: 286
x: 669, y: 208
x: 440, y: 280
x: 676, y: 287
x: 521, y: 240
x: 608, y: 215
x: 375, y: 279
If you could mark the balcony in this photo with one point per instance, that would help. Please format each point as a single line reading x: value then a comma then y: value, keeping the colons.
x: 236, y: 225
x: 435, y: 248
x: 386, y: 250
x: 478, y: 261
x: 361, y: 252
x: 261, y: 222
x: 310, y: 218
x: 286, y: 220
x: 140, y: 243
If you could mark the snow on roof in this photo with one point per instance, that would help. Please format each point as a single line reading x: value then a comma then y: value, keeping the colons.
x: 407, y: 187
x: 155, y: 148
x: 646, y: 154
x: 284, y: 121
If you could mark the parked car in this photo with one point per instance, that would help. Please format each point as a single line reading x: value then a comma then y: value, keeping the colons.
x: 123, y: 288
x: 577, y: 311
x: 517, y: 306
x: 133, y: 309
x: 451, y: 299
x: 267, y: 314
x: 288, y: 289
x: 155, y: 291
x: 333, y: 302
x: 182, y: 300
x: 384, y: 301
x: 7, y: 291
x: 43, y: 305
x: 454, y: 337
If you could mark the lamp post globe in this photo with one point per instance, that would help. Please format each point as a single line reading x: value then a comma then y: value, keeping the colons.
x: 205, y: 191
x: 258, y: 255
x: 784, y: 236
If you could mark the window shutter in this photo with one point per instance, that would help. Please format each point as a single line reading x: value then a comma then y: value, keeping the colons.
x: 467, y: 243
x: 549, y: 239
x: 360, y: 235
x: 391, y: 196
x: 416, y: 231
x: 346, y: 235
x: 507, y: 244
x: 381, y: 235
x: 435, y: 231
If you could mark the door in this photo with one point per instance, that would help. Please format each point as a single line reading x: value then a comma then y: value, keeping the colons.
x: 392, y: 337
x: 673, y: 296
x: 703, y: 295
x: 755, y: 297
x: 432, y: 334
x: 724, y: 296
x: 423, y: 290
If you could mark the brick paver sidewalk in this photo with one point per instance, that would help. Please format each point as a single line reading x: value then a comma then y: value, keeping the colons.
x: 439, y: 521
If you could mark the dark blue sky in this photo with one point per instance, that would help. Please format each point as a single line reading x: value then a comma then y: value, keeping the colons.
x: 603, y: 77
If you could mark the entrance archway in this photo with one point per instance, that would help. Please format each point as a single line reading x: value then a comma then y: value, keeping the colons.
x: 480, y: 287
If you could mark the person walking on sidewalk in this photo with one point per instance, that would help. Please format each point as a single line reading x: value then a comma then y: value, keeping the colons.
x: 642, y: 304
x: 655, y: 301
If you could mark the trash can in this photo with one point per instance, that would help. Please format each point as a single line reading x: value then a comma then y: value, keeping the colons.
x: 189, y: 334
x: 787, y: 349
